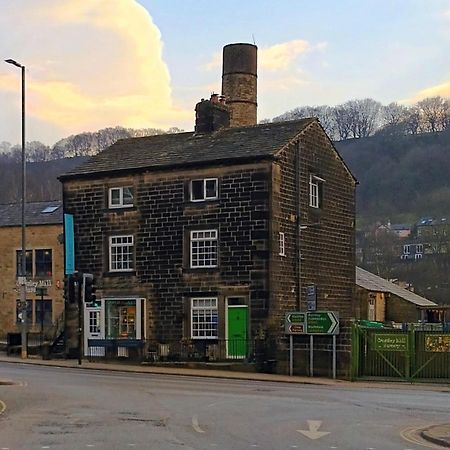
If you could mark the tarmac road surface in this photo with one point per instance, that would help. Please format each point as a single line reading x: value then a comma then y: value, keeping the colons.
x: 64, y: 408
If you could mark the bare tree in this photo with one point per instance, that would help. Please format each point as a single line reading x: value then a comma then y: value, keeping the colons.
x: 433, y: 111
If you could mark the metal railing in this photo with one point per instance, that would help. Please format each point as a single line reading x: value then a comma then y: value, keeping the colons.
x: 217, y: 350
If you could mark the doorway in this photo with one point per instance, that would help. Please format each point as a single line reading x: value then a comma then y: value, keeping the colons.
x: 237, y: 328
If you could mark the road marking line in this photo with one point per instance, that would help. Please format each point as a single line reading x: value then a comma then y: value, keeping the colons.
x: 195, y: 425
x: 408, y: 434
x: 2, y: 407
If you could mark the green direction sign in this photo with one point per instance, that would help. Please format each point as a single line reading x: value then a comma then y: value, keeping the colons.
x: 325, y: 322
x: 391, y: 342
x: 294, y: 323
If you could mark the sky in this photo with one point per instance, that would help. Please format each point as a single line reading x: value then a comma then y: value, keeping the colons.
x: 92, y: 64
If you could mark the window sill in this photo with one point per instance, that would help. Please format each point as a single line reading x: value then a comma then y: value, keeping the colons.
x: 200, y: 270
x: 124, y: 273
x: 120, y: 209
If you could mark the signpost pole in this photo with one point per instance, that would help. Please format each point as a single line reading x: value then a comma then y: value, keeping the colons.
x: 334, y: 356
x: 311, y: 355
x: 291, y: 354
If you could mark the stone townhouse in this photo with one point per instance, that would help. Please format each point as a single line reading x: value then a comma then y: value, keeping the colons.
x: 210, y: 237
x: 44, y: 266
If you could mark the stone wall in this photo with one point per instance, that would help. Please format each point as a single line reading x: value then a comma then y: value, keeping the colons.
x: 37, y: 237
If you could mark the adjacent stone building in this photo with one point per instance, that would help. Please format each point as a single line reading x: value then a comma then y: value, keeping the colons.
x: 44, y: 266
x: 209, y: 237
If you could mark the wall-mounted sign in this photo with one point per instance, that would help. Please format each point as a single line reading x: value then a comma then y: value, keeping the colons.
x: 311, y: 297
x: 437, y: 343
x: 390, y: 342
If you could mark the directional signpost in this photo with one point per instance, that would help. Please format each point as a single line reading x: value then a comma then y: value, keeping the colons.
x: 319, y: 323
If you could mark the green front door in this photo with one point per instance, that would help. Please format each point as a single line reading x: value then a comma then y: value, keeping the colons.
x: 237, y: 332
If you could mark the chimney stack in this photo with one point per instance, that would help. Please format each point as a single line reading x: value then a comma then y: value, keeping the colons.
x: 239, y: 77
x: 211, y: 115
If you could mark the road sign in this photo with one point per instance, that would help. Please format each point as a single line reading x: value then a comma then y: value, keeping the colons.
x: 311, y: 297
x: 324, y: 322
x: 295, y: 323
x: 320, y: 322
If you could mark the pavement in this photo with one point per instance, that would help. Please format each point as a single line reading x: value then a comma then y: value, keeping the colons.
x: 436, y: 434
x: 218, y: 373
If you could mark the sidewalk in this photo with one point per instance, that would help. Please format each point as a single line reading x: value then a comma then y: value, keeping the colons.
x: 217, y: 373
x: 438, y: 434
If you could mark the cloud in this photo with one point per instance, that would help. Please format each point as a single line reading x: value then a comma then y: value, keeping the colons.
x: 90, y: 64
x: 276, y: 57
x: 282, y: 56
x: 442, y: 90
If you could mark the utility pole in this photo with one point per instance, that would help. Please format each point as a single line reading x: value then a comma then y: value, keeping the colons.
x: 23, y: 272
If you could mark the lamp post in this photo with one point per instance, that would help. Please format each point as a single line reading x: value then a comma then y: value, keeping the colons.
x: 23, y: 271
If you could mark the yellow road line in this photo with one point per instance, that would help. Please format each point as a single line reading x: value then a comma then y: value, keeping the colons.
x: 2, y: 407
x: 409, y: 434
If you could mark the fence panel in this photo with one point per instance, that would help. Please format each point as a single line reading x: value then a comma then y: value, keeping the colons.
x: 391, y: 353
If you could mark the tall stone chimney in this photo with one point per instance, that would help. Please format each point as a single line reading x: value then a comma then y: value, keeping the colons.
x: 239, y: 76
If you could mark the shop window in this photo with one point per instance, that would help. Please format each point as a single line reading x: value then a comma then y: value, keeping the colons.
x: 120, y: 197
x: 43, y: 310
x: 204, y: 189
x: 121, y: 253
x: 204, y: 249
x: 120, y: 319
x: 204, y: 318
x: 28, y: 263
x: 43, y: 263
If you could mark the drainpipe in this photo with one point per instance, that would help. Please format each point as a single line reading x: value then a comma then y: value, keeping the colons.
x: 298, y: 226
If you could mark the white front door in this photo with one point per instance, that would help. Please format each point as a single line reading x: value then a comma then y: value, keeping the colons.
x: 93, y: 330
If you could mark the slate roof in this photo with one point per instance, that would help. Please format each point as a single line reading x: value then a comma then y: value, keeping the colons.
x: 372, y: 282
x: 182, y: 149
x: 11, y: 214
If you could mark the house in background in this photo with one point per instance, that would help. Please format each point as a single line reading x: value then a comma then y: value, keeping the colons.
x: 44, y: 265
x: 208, y: 238
x: 383, y: 301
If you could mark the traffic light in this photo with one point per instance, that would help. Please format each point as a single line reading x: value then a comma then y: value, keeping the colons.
x: 88, y: 289
x: 69, y: 289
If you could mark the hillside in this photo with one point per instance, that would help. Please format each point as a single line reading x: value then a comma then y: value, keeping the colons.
x: 401, y: 178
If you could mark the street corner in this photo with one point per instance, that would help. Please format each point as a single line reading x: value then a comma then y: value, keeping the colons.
x: 437, y: 434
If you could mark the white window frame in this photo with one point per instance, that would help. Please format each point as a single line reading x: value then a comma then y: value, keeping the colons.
x: 205, y: 311
x: 121, y: 245
x: 418, y: 256
x: 281, y: 244
x: 205, y: 197
x: 120, y: 204
x: 407, y: 249
x: 315, y: 183
x: 419, y: 249
x: 196, y: 236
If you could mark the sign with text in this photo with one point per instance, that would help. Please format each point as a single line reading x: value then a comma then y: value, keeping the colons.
x: 311, y: 297
x: 437, y: 343
x: 391, y: 342
x: 320, y: 322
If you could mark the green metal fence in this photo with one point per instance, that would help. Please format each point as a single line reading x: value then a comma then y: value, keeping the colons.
x: 387, y: 353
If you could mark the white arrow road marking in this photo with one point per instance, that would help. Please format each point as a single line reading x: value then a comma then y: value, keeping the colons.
x: 195, y: 425
x: 313, y: 432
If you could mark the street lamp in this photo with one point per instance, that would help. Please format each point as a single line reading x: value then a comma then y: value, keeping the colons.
x: 23, y: 271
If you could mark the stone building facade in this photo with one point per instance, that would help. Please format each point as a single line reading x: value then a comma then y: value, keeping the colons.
x: 211, y: 237
x: 45, y: 266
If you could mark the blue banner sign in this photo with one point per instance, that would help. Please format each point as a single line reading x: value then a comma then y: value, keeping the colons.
x: 69, y: 244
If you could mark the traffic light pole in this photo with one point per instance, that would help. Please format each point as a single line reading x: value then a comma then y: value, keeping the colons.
x: 80, y: 317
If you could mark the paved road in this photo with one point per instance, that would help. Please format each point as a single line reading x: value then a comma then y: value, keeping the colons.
x: 60, y: 408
